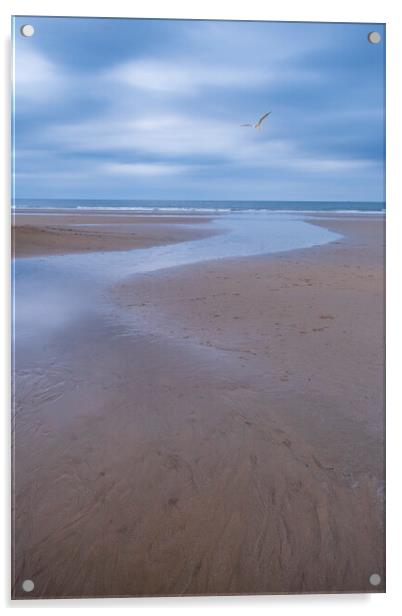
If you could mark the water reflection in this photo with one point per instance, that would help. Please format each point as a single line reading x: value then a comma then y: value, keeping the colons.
x: 51, y: 292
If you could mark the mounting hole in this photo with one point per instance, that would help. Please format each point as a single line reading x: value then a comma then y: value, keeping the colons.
x: 374, y: 37
x: 375, y: 579
x: 28, y: 585
x: 27, y: 30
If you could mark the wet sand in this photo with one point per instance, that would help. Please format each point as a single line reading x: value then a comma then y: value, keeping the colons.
x: 44, y: 233
x: 218, y: 429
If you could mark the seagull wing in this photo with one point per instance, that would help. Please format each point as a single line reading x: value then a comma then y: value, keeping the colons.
x: 260, y: 121
x: 246, y: 125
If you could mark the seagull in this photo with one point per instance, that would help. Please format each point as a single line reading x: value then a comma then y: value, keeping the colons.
x: 260, y: 121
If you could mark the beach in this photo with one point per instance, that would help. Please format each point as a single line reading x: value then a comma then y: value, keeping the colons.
x: 44, y: 232
x: 215, y: 427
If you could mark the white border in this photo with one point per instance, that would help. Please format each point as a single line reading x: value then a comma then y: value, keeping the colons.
x: 378, y: 11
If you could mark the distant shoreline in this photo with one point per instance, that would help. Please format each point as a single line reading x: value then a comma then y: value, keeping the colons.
x: 183, y: 211
x: 197, y: 206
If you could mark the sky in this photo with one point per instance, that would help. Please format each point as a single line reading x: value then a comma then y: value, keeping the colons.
x: 152, y: 109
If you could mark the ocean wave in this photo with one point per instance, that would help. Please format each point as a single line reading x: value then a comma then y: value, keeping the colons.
x: 199, y: 210
x: 153, y: 209
x: 260, y: 210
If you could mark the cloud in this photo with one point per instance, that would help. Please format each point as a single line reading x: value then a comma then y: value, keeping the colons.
x: 145, y: 170
x: 330, y: 165
x: 36, y: 78
x: 178, y: 77
x: 170, y: 139
x: 173, y: 137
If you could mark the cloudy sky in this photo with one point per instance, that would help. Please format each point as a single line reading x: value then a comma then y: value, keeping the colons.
x: 151, y: 109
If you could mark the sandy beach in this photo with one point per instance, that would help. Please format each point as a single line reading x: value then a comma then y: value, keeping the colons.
x: 217, y: 428
x: 45, y: 233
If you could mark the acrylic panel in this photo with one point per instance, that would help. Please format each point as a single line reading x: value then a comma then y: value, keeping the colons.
x: 198, y: 213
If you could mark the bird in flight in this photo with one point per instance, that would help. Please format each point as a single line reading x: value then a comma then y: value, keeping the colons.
x: 260, y: 121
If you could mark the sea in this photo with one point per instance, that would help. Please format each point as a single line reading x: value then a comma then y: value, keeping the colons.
x: 302, y: 207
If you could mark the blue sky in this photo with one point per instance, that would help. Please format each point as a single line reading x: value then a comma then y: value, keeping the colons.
x: 151, y: 109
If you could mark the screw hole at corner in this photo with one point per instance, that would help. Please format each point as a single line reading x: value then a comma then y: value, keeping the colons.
x: 27, y: 30
x: 28, y: 585
x: 374, y: 38
x: 375, y: 579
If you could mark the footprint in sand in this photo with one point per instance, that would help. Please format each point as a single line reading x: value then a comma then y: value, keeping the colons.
x: 173, y: 461
x: 123, y: 530
x: 296, y: 486
x: 253, y: 459
x: 321, y: 466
